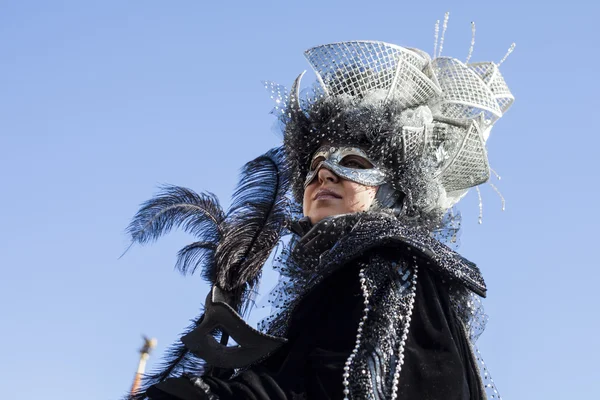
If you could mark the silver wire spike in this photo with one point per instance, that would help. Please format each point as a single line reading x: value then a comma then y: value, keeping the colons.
x: 499, y: 194
x: 472, y: 42
x: 496, y: 174
x: 510, y: 50
x: 436, y: 36
x: 480, y: 205
x: 444, y: 27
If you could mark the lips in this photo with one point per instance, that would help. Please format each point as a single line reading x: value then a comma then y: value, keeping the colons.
x: 324, y: 194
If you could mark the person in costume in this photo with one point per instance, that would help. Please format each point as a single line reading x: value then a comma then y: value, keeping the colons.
x: 371, y: 304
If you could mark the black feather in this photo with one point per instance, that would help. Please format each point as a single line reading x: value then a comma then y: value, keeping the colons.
x: 255, y: 221
x: 197, y: 254
x: 198, y: 214
x: 176, y: 206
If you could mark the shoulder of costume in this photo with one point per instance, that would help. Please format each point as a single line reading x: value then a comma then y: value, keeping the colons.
x: 379, y: 230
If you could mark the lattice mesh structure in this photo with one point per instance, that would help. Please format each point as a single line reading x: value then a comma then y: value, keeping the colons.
x: 412, y: 86
x: 465, y: 94
x: 356, y: 68
x: 469, y: 166
x: 490, y: 74
x: 413, y: 142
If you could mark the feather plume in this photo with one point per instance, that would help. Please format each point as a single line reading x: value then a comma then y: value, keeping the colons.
x: 179, y: 207
x: 231, y: 248
x: 196, y: 255
x: 255, y: 221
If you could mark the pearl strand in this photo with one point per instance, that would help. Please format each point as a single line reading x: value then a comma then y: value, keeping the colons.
x: 411, y: 303
x: 346, y: 375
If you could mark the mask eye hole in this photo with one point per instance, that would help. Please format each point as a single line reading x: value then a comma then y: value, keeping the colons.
x: 355, y: 162
x: 316, y: 161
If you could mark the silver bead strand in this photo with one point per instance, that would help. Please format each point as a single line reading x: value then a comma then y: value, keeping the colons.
x: 348, y: 364
x: 411, y: 303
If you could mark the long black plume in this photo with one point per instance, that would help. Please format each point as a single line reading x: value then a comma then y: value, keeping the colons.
x: 255, y: 222
x: 230, y: 248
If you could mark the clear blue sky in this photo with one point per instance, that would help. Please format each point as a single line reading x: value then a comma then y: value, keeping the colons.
x: 102, y: 101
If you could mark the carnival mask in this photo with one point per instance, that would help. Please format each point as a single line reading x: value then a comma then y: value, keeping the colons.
x: 349, y: 163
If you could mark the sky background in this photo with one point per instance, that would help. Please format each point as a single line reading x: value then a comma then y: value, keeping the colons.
x: 102, y: 101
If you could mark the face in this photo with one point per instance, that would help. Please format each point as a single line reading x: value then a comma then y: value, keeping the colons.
x: 328, y: 194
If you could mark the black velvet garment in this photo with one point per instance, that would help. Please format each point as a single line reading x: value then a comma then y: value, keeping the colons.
x: 438, y: 364
x: 321, y: 336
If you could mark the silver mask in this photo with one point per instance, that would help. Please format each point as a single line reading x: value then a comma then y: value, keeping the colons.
x: 349, y: 163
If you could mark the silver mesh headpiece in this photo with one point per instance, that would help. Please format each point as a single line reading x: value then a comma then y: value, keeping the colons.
x: 357, y: 68
x: 452, y: 105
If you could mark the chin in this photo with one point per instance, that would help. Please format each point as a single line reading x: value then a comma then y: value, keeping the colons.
x: 323, y: 213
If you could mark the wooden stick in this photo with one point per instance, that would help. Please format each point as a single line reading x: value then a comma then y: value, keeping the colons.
x: 145, y: 351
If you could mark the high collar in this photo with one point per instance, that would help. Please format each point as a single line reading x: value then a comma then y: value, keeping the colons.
x: 301, y: 226
x: 356, y: 234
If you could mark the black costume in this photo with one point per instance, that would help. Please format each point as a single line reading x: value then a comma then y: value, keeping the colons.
x: 438, y: 364
x: 373, y: 305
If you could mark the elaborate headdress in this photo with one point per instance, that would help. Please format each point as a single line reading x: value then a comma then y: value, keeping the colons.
x: 424, y: 121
